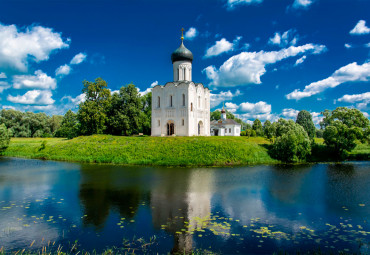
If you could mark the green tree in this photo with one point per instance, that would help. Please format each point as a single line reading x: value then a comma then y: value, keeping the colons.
x: 4, y: 138
x: 125, y: 113
x: 269, y: 130
x: 304, y: 118
x: 343, y: 127
x: 293, y: 145
x: 147, y: 110
x: 257, y: 127
x: 92, y: 114
x: 69, y: 127
x: 55, y: 122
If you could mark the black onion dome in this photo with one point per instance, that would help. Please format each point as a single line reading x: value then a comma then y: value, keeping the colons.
x: 182, y: 53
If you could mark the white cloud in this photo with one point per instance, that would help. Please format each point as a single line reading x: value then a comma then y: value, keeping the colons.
x: 248, y: 67
x: 360, y: 28
x: 367, y: 45
x: 287, y: 38
x: 35, y: 43
x: 351, y: 72
x: 191, y: 33
x: 255, y: 108
x: 3, y: 86
x: 300, y: 60
x: 217, y: 99
x: 154, y: 84
x: 222, y: 46
x: 232, y: 3
x: 301, y: 4
x: 290, y: 113
x: 3, y: 76
x: 39, y: 80
x: 74, y: 100
x: 231, y: 107
x: 8, y: 107
x: 78, y: 59
x: 362, y: 100
x: 347, y: 45
x: 63, y: 70
x: 39, y: 97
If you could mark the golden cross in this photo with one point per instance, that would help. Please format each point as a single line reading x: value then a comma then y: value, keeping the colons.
x: 182, y: 34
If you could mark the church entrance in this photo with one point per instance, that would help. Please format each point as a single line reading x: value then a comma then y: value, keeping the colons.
x: 170, y: 129
x: 216, y: 132
x: 200, y: 128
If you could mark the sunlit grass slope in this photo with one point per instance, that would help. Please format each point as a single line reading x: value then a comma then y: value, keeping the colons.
x: 164, y: 151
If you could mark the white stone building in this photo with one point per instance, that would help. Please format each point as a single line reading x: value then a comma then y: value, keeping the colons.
x: 181, y: 107
x: 224, y: 126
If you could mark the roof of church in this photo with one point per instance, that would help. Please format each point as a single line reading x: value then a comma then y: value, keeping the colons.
x: 182, y: 53
x: 224, y: 122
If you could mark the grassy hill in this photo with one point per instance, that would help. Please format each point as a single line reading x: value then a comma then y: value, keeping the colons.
x: 161, y: 151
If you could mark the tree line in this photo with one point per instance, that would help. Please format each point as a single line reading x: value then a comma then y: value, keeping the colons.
x: 128, y: 113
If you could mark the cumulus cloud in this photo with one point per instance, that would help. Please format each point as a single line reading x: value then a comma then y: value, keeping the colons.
x: 254, y: 108
x: 231, y: 107
x: 3, y: 86
x: 349, y: 73
x: 217, y: 99
x: 300, y: 60
x: 250, y: 111
x: 232, y: 3
x: 362, y: 100
x: 290, y: 113
x: 285, y: 39
x: 298, y: 4
x: 75, y: 101
x: 39, y: 80
x: 3, y: 76
x: 347, y: 45
x: 191, y: 33
x: 222, y: 46
x: 367, y: 45
x: 78, y: 59
x: 248, y: 67
x: 35, y: 43
x: 63, y: 70
x: 360, y: 28
x: 39, y: 97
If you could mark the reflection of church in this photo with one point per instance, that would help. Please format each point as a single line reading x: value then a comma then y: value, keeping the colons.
x: 181, y: 107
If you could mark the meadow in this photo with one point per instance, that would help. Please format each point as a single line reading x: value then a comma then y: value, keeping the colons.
x: 159, y: 151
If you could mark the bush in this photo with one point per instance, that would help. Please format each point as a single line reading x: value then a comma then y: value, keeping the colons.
x: 294, y: 145
x: 4, y: 138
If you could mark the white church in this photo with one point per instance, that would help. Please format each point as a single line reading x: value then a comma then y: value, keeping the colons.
x: 181, y: 107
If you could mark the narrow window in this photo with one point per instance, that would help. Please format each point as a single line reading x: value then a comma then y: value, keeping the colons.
x: 183, y: 99
x: 199, y: 102
x: 205, y: 103
x: 229, y: 130
x: 183, y: 122
x: 225, y: 130
x: 191, y: 107
x: 159, y: 102
x: 184, y: 74
x: 159, y: 123
x: 171, y: 100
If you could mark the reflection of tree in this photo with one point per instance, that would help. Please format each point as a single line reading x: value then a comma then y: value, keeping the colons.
x: 178, y: 198
x: 286, y: 182
x: 104, y: 188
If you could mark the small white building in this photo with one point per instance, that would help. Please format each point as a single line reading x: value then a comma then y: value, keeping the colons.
x: 224, y: 126
x: 181, y: 107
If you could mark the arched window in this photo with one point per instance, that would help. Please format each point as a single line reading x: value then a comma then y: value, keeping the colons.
x: 183, y: 99
x: 171, y: 101
x: 159, y: 123
x: 198, y: 102
x: 159, y: 102
x: 191, y: 107
x: 183, y: 122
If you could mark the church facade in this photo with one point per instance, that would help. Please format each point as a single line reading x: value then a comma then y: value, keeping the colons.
x: 181, y: 107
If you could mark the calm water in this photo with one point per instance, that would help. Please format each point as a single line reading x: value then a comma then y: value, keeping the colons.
x: 247, y: 210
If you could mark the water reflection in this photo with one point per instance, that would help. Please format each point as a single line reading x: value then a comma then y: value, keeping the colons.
x: 257, y: 209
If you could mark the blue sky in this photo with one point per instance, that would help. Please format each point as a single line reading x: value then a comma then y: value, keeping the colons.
x: 263, y: 58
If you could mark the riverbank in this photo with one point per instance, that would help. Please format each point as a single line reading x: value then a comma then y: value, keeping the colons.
x: 159, y: 151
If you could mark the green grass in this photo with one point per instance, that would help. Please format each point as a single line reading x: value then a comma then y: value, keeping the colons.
x: 161, y: 151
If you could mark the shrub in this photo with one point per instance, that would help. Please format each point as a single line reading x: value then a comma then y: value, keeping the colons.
x: 294, y: 145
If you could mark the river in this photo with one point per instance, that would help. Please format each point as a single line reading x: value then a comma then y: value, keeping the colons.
x: 246, y: 210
